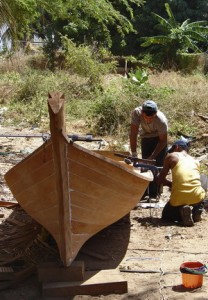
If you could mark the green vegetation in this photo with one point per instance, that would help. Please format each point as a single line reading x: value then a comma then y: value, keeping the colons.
x: 177, y: 38
x: 81, y: 44
x: 113, y: 25
x: 103, y: 106
x: 84, y: 21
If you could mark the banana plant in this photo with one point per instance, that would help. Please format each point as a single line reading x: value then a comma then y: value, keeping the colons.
x: 140, y: 76
x: 177, y: 38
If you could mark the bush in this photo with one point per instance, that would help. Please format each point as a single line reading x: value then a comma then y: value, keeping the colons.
x: 86, y: 61
x: 190, y: 62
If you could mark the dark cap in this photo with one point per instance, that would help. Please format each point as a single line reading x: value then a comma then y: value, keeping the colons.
x: 149, y: 106
x: 183, y: 144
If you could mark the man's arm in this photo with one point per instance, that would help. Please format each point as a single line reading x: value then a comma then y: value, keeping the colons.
x: 133, y: 137
x: 160, y: 146
x: 169, y: 163
x: 164, y: 172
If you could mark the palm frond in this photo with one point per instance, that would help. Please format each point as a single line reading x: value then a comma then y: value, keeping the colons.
x: 185, y: 24
x: 199, y: 24
x: 203, y: 30
x: 196, y: 36
x: 156, y: 40
x: 170, y: 14
x: 190, y: 44
x: 162, y: 21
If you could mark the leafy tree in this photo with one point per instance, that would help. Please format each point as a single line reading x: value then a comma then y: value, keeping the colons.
x: 145, y: 24
x: 177, y: 37
x: 7, y: 22
x: 84, y: 21
x: 194, y: 10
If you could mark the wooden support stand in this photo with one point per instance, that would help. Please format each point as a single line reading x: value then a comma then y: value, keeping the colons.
x: 58, y: 281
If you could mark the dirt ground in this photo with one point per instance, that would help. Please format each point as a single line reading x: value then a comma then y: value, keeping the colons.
x: 146, y: 252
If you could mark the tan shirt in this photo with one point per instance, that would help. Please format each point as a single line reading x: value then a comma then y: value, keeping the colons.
x: 158, y: 126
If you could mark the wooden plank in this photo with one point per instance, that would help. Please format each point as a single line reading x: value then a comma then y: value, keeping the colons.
x: 8, y: 204
x: 95, y: 283
x: 55, y: 272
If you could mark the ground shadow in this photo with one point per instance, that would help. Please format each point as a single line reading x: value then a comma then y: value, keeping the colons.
x: 152, y: 221
x: 181, y: 289
x: 106, y: 249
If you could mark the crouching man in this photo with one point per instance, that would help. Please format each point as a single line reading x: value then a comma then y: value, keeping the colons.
x: 186, y: 199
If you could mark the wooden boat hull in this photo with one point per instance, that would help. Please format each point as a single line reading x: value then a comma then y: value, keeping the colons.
x: 89, y: 192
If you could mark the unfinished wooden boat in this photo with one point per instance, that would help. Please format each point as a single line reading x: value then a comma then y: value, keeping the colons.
x: 71, y: 191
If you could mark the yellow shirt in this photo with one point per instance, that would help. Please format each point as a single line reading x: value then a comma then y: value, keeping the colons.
x: 186, y: 185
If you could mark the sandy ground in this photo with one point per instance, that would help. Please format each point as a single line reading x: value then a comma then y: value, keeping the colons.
x: 146, y: 252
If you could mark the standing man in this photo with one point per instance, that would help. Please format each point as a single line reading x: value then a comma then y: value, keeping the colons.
x: 151, y: 125
x: 187, y: 195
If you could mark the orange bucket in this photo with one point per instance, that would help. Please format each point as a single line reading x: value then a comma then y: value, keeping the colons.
x: 191, y: 281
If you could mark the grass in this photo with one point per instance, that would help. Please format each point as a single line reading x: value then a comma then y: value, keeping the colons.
x: 103, y: 110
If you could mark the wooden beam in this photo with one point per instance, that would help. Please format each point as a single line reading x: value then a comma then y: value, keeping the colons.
x: 95, y: 283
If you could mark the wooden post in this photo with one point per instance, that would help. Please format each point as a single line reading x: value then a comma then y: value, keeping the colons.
x: 57, y: 128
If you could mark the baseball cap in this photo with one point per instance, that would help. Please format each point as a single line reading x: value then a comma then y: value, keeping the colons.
x: 149, y: 106
x: 183, y: 144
